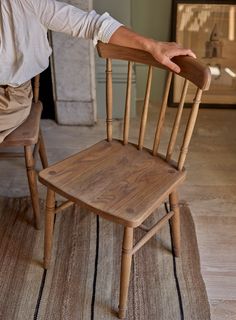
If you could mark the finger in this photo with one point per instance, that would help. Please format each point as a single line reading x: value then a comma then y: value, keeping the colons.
x: 186, y: 52
x: 179, y: 52
x: 171, y: 65
x: 191, y: 53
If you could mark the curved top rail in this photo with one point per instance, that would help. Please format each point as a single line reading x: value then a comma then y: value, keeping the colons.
x: 191, y: 69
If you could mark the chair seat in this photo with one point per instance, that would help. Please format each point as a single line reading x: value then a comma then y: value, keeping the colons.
x: 118, y: 182
x: 27, y: 133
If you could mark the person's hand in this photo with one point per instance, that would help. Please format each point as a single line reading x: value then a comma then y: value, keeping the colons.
x: 163, y: 52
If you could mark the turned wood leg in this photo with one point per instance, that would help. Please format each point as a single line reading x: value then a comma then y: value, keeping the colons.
x: 175, y: 223
x: 126, y: 261
x: 32, y: 179
x: 49, y: 226
x: 42, y: 151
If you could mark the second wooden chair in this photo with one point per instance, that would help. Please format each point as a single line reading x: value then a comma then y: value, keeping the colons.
x: 29, y: 136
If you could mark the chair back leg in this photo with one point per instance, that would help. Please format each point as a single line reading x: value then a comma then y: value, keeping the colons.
x: 49, y: 226
x: 175, y: 223
x: 32, y: 180
x: 42, y: 151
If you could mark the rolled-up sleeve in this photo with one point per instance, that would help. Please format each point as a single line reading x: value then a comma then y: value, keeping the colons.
x: 62, y: 17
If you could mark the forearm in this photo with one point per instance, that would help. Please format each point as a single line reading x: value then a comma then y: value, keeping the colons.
x: 163, y: 52
x: 128, y: 38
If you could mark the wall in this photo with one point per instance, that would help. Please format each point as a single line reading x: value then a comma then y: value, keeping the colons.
x: 120, y: 10
x: 151, y: 18
x: 73, y: 76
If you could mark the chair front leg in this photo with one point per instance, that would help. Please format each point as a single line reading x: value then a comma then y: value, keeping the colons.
x: 126, y: 262
x: 32, y: 179
x: 175, y: 223
x: 42, y: 151
x: 49, y: 226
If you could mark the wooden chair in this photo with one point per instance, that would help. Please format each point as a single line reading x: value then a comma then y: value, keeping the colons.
x: 29, y: 136
x: 125, y: 182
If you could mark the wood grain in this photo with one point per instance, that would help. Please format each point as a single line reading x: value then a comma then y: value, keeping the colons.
x: 145, y: 109
x: 162, y: 115
x: 28, y: 132
x: 192, y: 69
x: 127, y: 104
x: 142, y: 181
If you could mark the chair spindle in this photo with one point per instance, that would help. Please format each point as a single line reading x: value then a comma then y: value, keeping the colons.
x: 145, y: 109
x: 36, y: 85
x: 175, y: 129
x: 109, y: 98
x: 162, y: 115
x: 189, y: 129
x: 127, y: 104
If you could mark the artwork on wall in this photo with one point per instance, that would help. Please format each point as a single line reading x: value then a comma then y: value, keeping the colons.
x: 209, y: 29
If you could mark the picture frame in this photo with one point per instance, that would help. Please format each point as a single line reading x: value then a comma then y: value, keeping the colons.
x: 209, y: 29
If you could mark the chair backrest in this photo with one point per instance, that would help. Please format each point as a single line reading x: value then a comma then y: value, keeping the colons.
x: 191, y: 70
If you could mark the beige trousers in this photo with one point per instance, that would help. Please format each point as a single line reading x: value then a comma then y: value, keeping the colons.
x: 15, y: 105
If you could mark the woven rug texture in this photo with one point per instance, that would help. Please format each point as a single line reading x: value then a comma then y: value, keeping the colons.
x: 83, y: 280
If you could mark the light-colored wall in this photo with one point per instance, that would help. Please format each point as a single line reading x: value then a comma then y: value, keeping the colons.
x: 73, y: 76
x: 151, y: 18
x: 120, y: 10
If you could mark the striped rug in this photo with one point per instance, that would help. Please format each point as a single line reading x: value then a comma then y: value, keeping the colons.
x: 83, y: 281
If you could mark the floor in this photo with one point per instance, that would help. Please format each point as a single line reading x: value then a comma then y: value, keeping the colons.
x: 210, y: 189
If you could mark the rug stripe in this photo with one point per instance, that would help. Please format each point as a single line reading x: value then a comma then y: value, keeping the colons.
x: 95, y: 271
x: 42, y: 285
x: 40, y: 295
x: 181, y: 309
x: 194, y: 296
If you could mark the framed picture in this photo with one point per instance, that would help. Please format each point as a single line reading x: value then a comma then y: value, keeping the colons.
x: 209, y: 29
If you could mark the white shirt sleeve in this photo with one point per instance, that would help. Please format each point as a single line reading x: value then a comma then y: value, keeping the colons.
x: 62, y: 17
